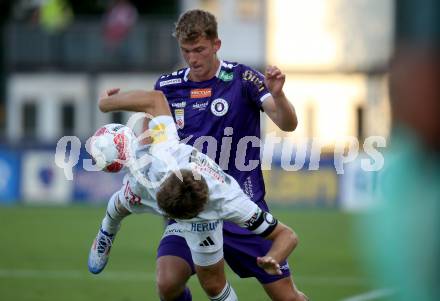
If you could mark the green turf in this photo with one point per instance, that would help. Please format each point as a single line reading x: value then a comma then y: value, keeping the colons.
x: 43, y: 256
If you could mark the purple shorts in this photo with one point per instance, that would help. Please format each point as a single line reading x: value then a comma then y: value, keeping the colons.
x: 240, y: 252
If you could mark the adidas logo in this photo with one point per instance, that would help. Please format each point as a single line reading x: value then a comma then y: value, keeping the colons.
x: 207, y: 242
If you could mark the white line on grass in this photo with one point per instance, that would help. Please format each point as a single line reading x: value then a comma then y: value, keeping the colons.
x: 145, y: 276
x: 372, y: 295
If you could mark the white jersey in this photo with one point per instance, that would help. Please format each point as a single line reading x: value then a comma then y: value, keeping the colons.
x: 226, y: 200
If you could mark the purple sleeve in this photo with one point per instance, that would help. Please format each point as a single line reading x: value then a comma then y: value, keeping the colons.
x: 253, y: 82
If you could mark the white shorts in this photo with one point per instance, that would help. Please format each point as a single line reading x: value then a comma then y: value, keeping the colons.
x: 204, y: 238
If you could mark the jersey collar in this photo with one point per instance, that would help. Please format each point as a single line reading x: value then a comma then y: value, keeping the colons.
x: 185, y: 77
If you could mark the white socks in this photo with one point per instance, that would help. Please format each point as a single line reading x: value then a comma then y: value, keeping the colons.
x: 227, y: 294
x: 112, y: 220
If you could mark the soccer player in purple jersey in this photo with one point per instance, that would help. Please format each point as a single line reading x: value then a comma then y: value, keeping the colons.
x: 222, y: 100
x: 219, y: 103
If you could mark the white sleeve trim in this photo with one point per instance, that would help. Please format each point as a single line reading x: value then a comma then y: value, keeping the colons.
x: 265, y: 96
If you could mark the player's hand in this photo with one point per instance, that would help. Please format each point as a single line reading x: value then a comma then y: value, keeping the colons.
x: 110, y: 92
x: 270, y: 265
x: 274, y: 80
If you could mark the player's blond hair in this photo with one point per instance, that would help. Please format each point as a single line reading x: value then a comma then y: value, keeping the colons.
x: 194, y: 24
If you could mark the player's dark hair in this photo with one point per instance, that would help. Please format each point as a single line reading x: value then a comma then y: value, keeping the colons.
x: 183, y: 199
x: 194, y: 24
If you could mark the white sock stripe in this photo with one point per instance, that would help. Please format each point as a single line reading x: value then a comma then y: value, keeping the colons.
x: 109, y: 215
x: 224, y: 294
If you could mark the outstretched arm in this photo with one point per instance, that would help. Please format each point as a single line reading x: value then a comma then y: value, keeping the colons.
x: 151, y: 102
x: 284, y: 240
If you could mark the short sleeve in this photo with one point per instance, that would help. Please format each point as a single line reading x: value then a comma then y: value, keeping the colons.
x: 239, y: 209
x: 253, y: 82
x: 248, y: 215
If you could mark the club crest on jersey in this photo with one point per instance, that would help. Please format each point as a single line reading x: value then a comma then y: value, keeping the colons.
x: 179, y: 114
x: 219, y: 107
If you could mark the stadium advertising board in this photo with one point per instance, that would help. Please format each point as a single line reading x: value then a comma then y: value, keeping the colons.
x: 42, y: 182
x: 93, y: 187
x: 9, y: 176
x: 303, y: 188
x: 358, y: 187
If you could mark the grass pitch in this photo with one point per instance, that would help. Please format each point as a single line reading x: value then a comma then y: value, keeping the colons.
x: 43, y: 256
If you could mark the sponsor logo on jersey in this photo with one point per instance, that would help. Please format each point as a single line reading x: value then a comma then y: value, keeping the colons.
x: 179, y: 105
x: 248, y: 187
x: 226, y: 76
x: 170, y: 82
x: 207, y: 242
x: 130, y: 196
x: 203, y: 227
x: 201, y: 93
x: 250, y: 222
x: 219, y: 107
x: 173, y: 229
x: 201, y: 106
x: 251, y: 76
x: 179, y: 114
x: 204, y: 165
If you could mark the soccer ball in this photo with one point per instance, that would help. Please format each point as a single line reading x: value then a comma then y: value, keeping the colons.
x: 111, y: 146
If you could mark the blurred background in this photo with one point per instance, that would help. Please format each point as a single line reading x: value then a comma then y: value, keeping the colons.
x: 56, y: 56
x: 59, y: 55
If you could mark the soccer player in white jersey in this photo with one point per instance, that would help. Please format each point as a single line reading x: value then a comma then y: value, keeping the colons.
x: 184, y: 184
x: 222, y: 100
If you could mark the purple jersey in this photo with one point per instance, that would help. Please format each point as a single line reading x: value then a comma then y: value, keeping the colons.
x: 220, y: 116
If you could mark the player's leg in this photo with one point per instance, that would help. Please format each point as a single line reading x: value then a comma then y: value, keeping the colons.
x: 114, y: 215
x: 172, y: 274
x: 119, y: 206
x: 100, y: 250
x: 174, y: 266
x: 205, y: 240
x: 213, y: 281
x: 284, y: 290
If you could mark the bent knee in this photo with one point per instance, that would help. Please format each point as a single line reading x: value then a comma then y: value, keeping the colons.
x: 297, y: 296
x: 170, y: 286
x: 171, y: 276
x: 169, y: 290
